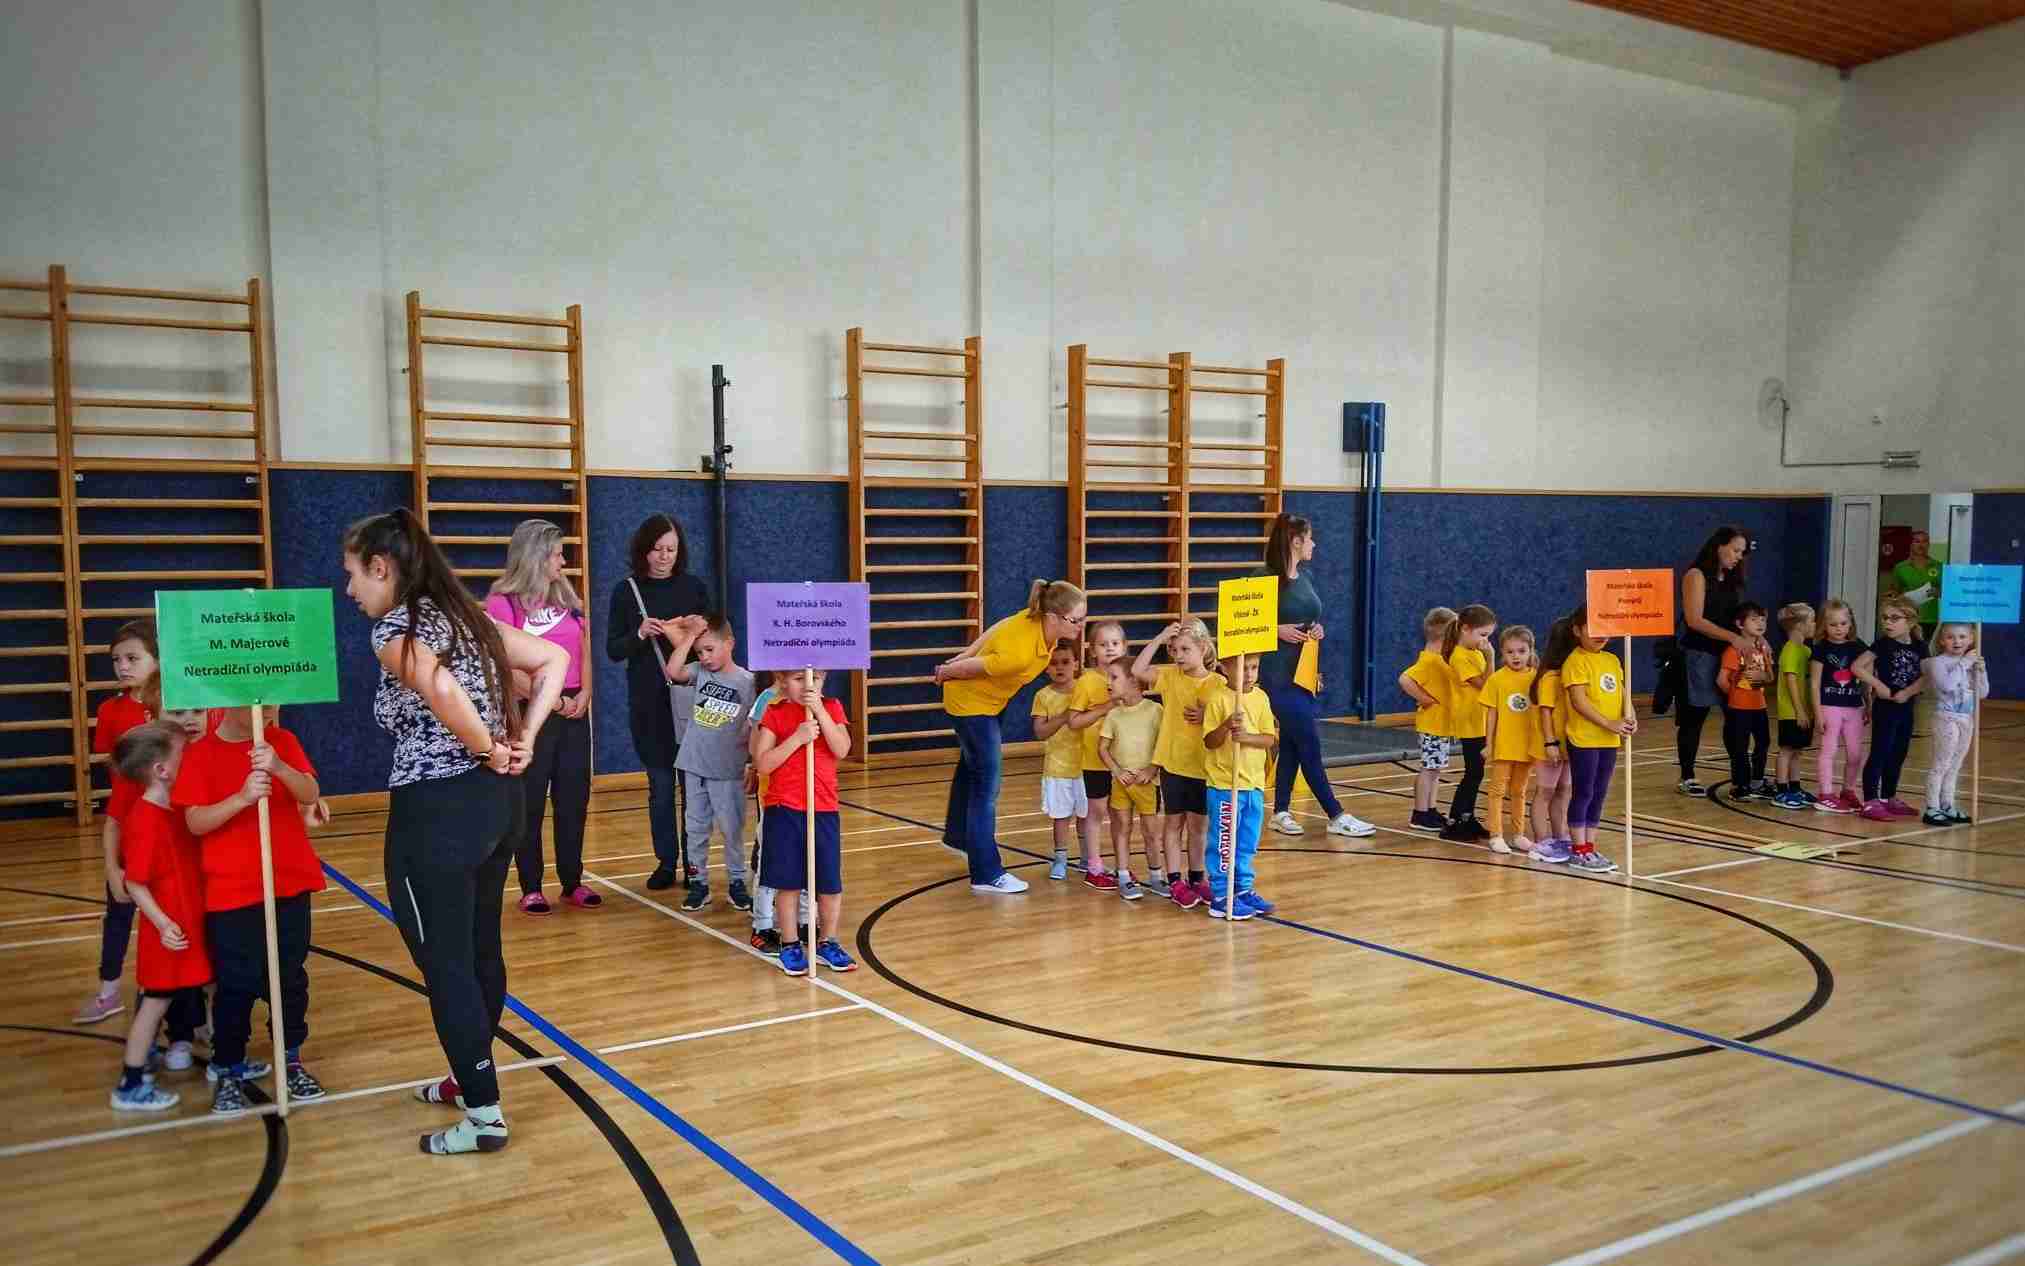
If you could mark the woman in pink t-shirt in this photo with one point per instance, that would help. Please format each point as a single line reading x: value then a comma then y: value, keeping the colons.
x: 534, y: 594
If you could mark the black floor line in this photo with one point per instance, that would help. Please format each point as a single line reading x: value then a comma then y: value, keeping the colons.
x: 270, y: 1169
x: 59, y: 896
x: 680, y: 1249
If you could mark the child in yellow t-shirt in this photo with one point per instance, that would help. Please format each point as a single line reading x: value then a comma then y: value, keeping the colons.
x: 1178, y: 753
x: 1089, y: 703
x: 1430, y: 682
x: 1550, y: 800
x: 1468, y: 652
x: 1511, y: 737
x: 1126, y: 742
x: 1600, y: 717
x: 1062, y: 797
x: 1239, y: 737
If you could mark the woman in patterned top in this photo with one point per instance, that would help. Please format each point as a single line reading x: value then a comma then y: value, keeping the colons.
x: 446, y: 696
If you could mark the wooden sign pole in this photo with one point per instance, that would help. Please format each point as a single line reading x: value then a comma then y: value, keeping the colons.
x: 1630, y: 870
x: 273, y: 942
x: 812, y: 702
x: 1976, y: 737
x: 1228, y: 844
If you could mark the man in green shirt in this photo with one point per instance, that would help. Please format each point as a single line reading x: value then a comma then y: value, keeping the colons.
x: 1919, y: 581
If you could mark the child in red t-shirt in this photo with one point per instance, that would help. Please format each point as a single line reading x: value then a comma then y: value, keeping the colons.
x: 165, y: 878
x: 134, y: 653
x: 792, y: 723
x: 225, y: 775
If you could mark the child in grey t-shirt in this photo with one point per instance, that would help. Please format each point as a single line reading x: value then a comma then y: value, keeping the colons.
x: 713, y: 753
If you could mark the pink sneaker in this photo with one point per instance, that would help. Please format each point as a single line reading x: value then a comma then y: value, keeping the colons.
x: 1202, y: 891
x: 1851, y: 800
x: 583, y: 898
x: 100, y: 1006
x: 1835, y: 802
x: 1875, y: 811
x: 1900, y: 809
x: 533, y: 903
x: 1102, y: 881
x: 1183, y: 894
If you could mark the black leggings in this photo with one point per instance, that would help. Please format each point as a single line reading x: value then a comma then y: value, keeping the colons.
x: 115, y: 929
x: 449, y: 841
x: 562, y: 768
x: 1891, y: 731
x: 1687, y: 736
x: 1464, y: 805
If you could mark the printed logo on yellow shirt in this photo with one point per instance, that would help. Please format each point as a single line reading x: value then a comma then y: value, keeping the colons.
x: 1607, y: 683
x: 1517, y: 701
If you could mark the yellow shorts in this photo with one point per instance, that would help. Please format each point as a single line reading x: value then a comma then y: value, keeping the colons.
x: 1144, y: 797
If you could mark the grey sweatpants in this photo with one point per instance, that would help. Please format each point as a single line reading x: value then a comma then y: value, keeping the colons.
x: 722, y: 801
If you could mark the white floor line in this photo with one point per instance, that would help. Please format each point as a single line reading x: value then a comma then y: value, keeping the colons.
x: 1214, y: 1170
x: 1693, y: 870
x: 1906, y: 835
x: 48, y: 940
x: 131, y: 1131
x: 729, y: 1028
x: 393, y: 1086
x: 1784, y: 1191
x: 1837, y: 914
x: 2002, y: 1251
x: 51, y: 918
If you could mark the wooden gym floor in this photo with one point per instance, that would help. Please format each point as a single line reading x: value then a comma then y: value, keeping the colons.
x: 1431, y: 1055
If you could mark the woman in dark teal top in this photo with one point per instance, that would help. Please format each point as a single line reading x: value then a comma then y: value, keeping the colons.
x: 1292, y: 543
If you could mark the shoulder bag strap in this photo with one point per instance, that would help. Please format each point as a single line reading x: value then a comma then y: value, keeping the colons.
x: 674, y: 710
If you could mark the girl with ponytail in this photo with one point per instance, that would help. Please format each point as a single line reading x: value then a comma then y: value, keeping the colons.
x: 445, y: 694
x: 976, y: 686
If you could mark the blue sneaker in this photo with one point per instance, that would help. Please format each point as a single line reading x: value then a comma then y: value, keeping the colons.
x: 832, y: 955
x: 1792, y: 800
x: 1236, y: 911
x: 251, y: 1070
x: 1059, y: 868
x: 794, y: 960
x: 1258, y: 904
x: 1553, y: 852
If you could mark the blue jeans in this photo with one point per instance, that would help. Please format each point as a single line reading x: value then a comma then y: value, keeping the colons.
x: 971, y: 823
x: 1300, y: 749
x: 1248, y: 815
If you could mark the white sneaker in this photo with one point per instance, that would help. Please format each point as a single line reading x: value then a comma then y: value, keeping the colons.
x: 1347, y: 824
x: 1520, y: 844
x: 178, y: 1058
x: 1285, y: 824
x: 1498, y: 845
x: 1007, y: 882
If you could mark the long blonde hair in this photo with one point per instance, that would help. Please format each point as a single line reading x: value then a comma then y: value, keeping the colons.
x: 526, y: 576
x: 1941, y: 630
x: 1828, y: 609
x: 1053, y: 597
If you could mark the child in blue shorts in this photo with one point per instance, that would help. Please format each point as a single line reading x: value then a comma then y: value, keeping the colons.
x: 793, y: 722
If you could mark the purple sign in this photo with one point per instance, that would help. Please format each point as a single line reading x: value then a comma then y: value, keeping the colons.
x: 808, y: 625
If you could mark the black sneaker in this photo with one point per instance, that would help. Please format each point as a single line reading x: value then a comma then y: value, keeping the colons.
x: 302, y: 1086
x: 740, y: 898
x: 663, y: 877
x: 1740, y: 794
x: 1764, y: 790
x: 1936, y: 817
x: 1478, y: 831
x: 1427, y: 820
x: 1956, y: 818
x: 699, y: 896
x: 1457, y: 832
x: 767, y: 942
x: 228, y: 1098
x: 1689, y: 787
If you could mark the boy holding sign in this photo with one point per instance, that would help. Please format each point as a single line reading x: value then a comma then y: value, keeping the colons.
x: 801, y: 718
x: 1239, y: 736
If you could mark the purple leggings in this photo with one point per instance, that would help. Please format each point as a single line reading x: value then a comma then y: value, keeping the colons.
x: 1589, y: 770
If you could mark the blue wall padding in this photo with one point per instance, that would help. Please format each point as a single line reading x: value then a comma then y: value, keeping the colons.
x: 2000, y: 528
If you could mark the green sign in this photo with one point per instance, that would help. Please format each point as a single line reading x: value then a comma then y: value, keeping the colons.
x: 233, y: 648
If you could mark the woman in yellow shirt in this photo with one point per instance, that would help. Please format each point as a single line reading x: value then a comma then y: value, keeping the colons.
x: 1600, y: 716
x: 976, y: 686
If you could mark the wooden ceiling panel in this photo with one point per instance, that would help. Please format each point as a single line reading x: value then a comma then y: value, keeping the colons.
x: 1839, y: 33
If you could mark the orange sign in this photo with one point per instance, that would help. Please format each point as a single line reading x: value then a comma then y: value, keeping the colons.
x: 1631, y: 603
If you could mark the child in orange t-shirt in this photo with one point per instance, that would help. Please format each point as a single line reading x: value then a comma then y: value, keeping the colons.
x: 164, y: 875
x: 800, y: 717
x: 134, y: 653
x: 1747, y: 728
x: 224, y: 776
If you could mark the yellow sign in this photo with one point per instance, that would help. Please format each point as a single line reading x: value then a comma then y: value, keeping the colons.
x: 1247, y: 616
x: 1308, y: 669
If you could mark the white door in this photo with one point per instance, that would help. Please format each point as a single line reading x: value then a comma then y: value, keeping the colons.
x: 1852, y: 558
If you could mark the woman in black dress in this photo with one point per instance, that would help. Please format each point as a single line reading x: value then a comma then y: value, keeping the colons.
x: 659, y: 590
x: 1710, y: 590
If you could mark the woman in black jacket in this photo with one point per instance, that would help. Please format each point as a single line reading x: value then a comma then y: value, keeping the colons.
x: 659, y: 590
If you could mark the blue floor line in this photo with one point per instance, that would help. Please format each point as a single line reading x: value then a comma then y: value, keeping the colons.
x: 823, y: 1232
x: 1680, y: 1030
